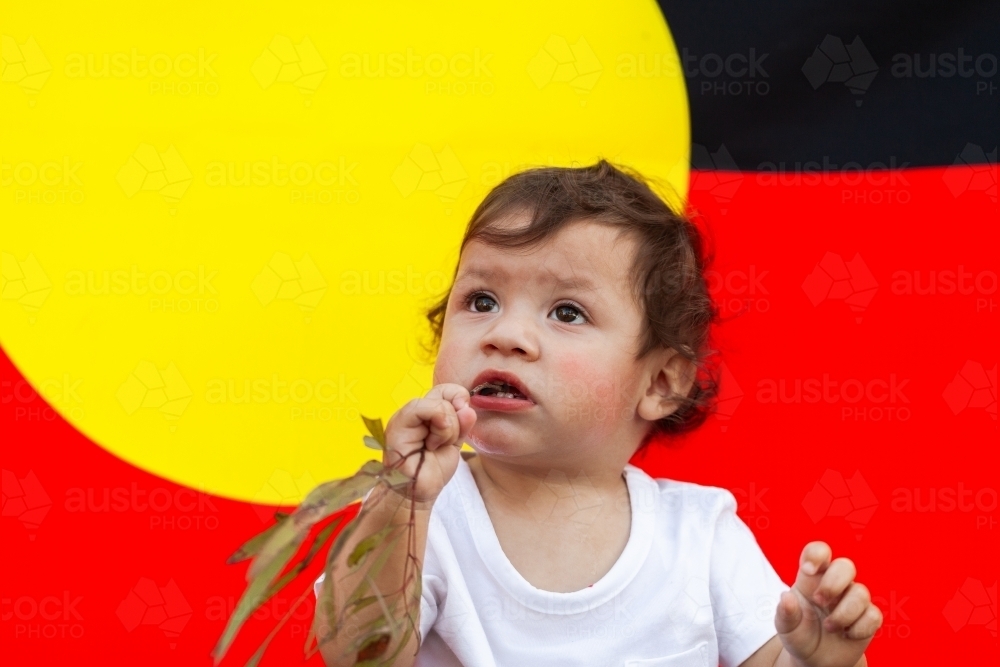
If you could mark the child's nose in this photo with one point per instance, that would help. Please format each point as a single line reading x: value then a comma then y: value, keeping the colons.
x: 511, y: 335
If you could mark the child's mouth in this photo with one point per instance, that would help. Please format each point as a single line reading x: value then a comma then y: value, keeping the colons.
x: 497, y: 395
x: 498, y: 389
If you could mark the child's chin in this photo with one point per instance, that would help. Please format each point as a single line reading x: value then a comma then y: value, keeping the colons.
x: 491, y: 445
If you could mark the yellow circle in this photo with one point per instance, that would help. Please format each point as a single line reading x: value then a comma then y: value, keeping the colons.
x: 221, y: 228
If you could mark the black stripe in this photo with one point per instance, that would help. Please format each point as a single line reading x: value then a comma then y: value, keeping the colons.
x: 778, y: 115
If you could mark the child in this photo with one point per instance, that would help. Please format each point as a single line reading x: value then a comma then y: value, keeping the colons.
x: 573, y: 333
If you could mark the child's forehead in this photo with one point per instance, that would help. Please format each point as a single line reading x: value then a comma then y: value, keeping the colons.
x: 580, y: 255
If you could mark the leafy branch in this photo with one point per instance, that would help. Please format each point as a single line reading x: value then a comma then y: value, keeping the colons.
x: 272, y: 567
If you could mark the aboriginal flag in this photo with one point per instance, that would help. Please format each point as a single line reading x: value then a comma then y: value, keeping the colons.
x: 843, y: 161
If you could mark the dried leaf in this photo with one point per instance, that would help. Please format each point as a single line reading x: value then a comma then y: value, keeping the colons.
x: 376, y: 565
x: 396, y: 478
x: 362, y: 603
x: 375, y: 428
x: 366, y: 545
x: 252, y: 597
x: 252, y: 546
x: 321, y: 538
x: 259, y: 653
x: 342, y: 537
x: 374, y: 646
x: 323, y: 501
x: 274, y: 548
x: 402, y: 644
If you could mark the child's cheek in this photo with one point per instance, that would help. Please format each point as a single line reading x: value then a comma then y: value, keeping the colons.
x: 588, y: 389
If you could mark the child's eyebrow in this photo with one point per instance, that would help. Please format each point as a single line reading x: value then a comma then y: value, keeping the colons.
x: 575, y: 282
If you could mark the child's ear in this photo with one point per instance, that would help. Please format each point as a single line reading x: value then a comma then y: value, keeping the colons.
x: 671, y: 376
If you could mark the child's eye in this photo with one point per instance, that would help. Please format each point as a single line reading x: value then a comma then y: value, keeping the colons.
x: 480, y: 299
x: 568, y: 313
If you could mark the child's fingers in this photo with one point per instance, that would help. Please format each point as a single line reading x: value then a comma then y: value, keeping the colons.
x: 836, y: 579
x: 455, y: 394
x: 458, y: 397
x: 417, y: 421
x: 812, y: 564
x: 789, y: 613
x: 442, y: 423
x: 466, y: 419
x: 866, y: 626
x: 852, y: 606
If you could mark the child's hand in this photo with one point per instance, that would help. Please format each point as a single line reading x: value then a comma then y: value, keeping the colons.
x: 826, y: 619
x: 436, y: 423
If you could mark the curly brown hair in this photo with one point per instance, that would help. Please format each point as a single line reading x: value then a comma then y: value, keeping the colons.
x: 667, y: 273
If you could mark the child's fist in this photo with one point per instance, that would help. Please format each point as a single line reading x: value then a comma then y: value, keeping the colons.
x: 436, y: 424
x: 826, y: 619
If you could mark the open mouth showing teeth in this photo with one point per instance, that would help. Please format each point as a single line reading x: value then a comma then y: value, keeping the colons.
x: 498, y: 389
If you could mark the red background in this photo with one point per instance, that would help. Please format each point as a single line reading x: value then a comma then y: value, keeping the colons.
x: 841, y: 470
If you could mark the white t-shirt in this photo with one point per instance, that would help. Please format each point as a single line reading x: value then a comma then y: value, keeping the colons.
x: 691, y: 588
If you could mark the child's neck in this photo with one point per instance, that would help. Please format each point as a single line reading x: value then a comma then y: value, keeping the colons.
x: 517, y: 480
x: 561, y: 529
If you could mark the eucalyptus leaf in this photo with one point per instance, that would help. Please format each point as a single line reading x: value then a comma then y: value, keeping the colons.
x: 321, y: 538
x: 372, y: 443
x: 251, y: 599
x: 252, y: 546
x: 272, y: 567
x: 321, y: 502
x: 364, y: 546
x: 376, y: 565
x: 259, y: 653
x: 286, y: 536
x: 396, y: 478
x: 390, y: 660
x: 375, y: 428
x: 374, y: 646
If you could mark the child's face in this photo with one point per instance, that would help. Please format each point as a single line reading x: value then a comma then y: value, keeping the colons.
x: 571, y: 346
